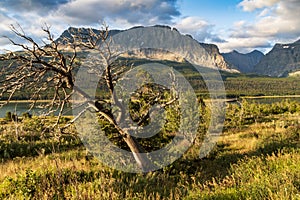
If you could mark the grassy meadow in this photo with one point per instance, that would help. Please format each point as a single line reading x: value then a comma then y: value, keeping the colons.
x: 257, y: 157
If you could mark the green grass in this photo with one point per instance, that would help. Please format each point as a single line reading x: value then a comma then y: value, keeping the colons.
x: 257, y: 157
x: 273, y: 176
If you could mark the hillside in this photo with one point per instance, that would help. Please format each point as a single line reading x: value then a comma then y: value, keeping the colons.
x: 280, y: 61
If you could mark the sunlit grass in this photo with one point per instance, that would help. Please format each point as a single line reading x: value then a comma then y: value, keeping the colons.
x: 259, y: 159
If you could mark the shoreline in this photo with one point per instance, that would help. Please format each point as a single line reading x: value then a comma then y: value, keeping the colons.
x: 269, y: 97
x: 243, y: 97
x: 25, y: 101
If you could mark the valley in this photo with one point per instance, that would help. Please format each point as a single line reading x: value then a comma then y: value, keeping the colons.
x: 256, y: 156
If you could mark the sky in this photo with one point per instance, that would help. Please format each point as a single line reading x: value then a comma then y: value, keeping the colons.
x: 242, y: 25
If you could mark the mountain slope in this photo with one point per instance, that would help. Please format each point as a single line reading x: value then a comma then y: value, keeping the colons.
x: 214, y: 58
x: 243, y: 62
x: 280, y: 61
x: 219, y: 60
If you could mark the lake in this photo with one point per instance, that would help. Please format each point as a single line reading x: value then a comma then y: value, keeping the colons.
x: 23, y: 106
x: 270, y: 99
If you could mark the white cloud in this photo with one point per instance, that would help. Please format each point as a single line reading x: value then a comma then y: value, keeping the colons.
x: 244, y: 45
x: 251, y: 5
x: 143, y: 12
x: 283, y: 20
x: 192, y: 24
x: 5, y: 22
x: 264, y: 12
x: 31, y: 24
x: 278, y: 21
x: 199, y: 28
x: 61, y: 14
x: 5, y: 29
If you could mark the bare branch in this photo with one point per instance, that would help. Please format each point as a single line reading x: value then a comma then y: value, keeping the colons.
x: 48, y: 69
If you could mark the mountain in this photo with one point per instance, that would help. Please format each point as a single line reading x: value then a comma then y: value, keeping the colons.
x: 243, y: 62
x: 66, y: 36
x: 153, y: 54
x: 219, y: 60
x: 280, y: 61
x: 212, y: 59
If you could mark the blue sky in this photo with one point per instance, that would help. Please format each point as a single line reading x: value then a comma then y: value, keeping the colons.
x: 221, y: 13
x: 213, y: 11
x: 243, y: 25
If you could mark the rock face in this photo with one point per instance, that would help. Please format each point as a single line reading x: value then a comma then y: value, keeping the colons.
x: 218, y: 59
x: 153, y: 54
x: 280, y: 61
x: 244, y: 62
x: 66, y: 36
x: 212, y: 58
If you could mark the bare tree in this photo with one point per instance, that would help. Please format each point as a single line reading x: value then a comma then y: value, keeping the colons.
x: 48, y: 67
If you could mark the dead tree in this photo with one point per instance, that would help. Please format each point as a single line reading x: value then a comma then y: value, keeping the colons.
x: 40, y: 68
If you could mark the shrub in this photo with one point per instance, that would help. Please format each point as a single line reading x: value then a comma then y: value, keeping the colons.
x: 10, y: 117
x: 26, y: 115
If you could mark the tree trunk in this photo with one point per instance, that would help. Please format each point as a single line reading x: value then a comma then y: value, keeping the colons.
x: 137, y: 150
x: 139, y: 154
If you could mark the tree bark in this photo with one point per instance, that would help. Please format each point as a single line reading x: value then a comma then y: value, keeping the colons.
x: 137, y: 150
x: 139, y: 154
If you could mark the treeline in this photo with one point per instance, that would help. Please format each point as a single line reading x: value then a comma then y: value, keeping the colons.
x: 238, y: 115
x: 261, y: 86
x: 236, y: 85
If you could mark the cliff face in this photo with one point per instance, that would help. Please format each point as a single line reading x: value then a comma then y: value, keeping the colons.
x: 244, y: 62
x: 280, y: 61
x: 218, y: 59
x: 212, y: 58
x: 153, y: 54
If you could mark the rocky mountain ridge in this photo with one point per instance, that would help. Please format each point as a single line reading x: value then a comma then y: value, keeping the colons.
x: 243, y: 62
x: 213, y: 50
x: 215, y: 58
x: 280, y: 61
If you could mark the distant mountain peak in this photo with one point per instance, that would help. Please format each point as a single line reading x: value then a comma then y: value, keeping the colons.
x: 256, y: 52
x: 281, y: 60
x: 243, y: 62
x: 235, y: 51
x: 297, y: 42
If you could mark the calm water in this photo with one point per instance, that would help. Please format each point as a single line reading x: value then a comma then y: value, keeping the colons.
x: 22, y: 107
x: 273, y: 100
